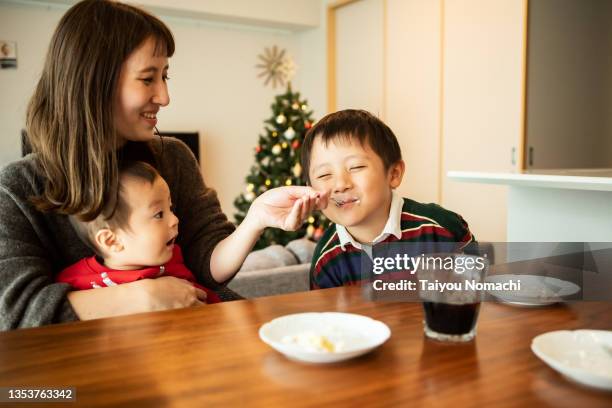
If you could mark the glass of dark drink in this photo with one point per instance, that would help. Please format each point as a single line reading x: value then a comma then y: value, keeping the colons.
x: 450, y: 287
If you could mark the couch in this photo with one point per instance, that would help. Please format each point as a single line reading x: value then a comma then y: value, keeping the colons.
x: 275, y: 270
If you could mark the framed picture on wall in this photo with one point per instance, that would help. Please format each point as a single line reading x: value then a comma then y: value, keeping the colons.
x: 8, y: 54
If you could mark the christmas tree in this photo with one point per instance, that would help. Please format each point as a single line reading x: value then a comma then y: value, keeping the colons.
x: 277, y: 163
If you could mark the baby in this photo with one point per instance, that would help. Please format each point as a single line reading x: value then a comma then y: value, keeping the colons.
x: 134, y: 239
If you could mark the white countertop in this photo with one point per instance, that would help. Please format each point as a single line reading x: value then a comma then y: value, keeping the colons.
x: 574, y: 179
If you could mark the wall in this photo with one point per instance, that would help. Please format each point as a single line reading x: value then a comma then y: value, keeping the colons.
x: 214, y: 87
x: 217, y: 92
x: 17, y: 85
x: 312, y: 44
x: 360, y: 56
x: 278, y: 13
x: 568, y: 83
x: 413, y: 92
x: 294, y: 14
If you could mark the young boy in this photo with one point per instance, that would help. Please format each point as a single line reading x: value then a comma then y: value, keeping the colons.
x: 136, y: 240
x: 356, y: 158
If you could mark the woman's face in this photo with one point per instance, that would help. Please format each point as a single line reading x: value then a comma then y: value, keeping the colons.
x: 141, y: 92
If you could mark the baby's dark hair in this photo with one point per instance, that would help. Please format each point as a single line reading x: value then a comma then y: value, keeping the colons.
x: 115, y: 214
x: 349, y: 125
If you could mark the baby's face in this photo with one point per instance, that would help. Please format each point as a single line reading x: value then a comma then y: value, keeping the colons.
x: 153, y: 226
x: 358, y: 185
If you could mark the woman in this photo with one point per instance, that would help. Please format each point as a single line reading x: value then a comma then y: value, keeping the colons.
x: 103, y: 82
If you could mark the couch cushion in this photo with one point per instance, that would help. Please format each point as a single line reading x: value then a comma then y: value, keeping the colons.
x: 303, y: 249
x: 268, y: 258
x: 269, y: 282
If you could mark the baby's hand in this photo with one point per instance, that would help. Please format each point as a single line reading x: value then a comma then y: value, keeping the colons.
x: 285, y: 207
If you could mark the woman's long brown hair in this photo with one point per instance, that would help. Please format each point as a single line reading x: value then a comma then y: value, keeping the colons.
x: 70, y: 116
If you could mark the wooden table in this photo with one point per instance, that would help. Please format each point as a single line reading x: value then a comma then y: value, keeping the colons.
x: 212, y: 356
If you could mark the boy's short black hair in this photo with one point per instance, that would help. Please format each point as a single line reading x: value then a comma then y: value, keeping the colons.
x: 349, y: 125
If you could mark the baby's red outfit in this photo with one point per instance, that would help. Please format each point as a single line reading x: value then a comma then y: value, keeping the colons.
x: 88, y: 273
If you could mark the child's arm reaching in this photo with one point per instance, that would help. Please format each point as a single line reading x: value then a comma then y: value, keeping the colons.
x: 284, y: 207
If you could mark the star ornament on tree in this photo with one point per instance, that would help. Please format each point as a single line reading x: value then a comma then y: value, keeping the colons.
x: 276, y: 67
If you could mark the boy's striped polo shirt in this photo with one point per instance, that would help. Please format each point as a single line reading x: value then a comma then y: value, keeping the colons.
x: 334, y: 266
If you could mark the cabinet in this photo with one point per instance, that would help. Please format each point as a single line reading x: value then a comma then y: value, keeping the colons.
x: 569, y: 84
x: 482, y: 105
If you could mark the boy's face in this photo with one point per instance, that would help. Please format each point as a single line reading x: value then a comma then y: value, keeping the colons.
x: 153, y: 227
x: 358, y: 185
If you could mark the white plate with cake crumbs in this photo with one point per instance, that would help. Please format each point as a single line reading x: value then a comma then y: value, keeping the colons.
x: 324, y: 337
x: 584, y: 356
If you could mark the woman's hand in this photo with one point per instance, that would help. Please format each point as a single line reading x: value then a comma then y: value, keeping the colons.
x: 285, y: 207
x: 169, y: 292
x: 146, y: 295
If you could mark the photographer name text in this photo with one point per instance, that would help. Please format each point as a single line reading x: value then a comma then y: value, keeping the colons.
x: 441, y: 287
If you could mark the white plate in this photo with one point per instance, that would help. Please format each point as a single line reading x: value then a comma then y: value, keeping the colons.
x: 298, y: 336
x: 535, y: 290
x: 584, y: 356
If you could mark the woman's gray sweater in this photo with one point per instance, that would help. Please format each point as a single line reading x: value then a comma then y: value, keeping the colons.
x: 35, y: 246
